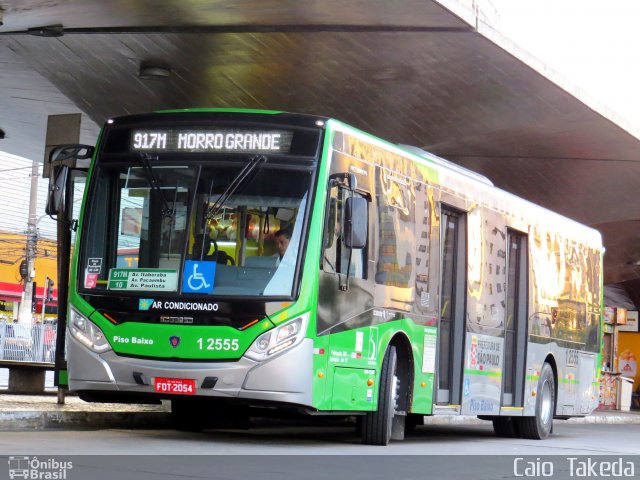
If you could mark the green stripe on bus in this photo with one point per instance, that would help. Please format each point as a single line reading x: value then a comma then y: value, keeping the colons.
x: 569, y: 381
x: 532, y: 378
x: 484, y: 373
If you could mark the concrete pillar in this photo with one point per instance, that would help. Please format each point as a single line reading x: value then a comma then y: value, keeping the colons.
x: 26, y: 380
x: 61, y: 130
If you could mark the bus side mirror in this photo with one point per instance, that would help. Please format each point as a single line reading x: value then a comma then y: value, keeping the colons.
x: 57, y: 184
x: 61, y: 159
x: 356, y: 222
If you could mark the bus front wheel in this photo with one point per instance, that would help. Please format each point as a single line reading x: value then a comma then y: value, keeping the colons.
x: 378, y: 425
x: 540, y: 426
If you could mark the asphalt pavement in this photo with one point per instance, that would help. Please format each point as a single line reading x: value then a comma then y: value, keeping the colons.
x: 37, y: 412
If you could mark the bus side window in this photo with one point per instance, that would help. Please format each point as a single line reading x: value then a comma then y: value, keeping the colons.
x: 330, y: 240
x: 329, y: 237
x: 336, y: 253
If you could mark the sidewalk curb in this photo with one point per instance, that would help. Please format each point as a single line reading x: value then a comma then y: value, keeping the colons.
x: 611, y: 419
x: 45, y: 420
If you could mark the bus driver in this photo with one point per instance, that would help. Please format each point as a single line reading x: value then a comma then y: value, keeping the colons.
x: 281, y: 239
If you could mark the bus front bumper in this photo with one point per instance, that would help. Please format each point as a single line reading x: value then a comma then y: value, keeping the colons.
x: 286, y: 377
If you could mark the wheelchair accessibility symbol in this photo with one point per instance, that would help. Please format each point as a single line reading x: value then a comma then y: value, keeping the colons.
x: 467, y: 387
x: 197, y: 277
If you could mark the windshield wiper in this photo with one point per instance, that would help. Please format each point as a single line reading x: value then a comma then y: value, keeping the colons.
x: 242, y: 177
x: 153, y: 182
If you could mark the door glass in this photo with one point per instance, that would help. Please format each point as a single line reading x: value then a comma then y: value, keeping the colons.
x: 512, y: 276
x: 515, y: 342
x: 448, y: 300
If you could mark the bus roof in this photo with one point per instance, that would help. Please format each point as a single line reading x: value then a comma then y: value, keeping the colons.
x: 501, y: 200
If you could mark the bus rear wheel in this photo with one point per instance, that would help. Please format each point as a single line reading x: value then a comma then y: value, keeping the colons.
x: 377, y: 425
x: 540, y: 426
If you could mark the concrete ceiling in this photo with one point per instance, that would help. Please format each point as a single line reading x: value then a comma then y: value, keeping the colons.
x: 409, y: 71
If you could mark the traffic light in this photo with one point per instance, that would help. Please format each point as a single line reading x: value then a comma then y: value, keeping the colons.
x: 49, y: 287
x: 33, y: 297
x: 24, y: 269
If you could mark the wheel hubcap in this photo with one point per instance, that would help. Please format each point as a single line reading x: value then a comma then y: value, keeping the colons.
x: 546, y: 409
x: 395, y: 392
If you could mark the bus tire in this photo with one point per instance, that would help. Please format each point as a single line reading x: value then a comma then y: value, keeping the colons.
x: 540, y: 426
x: 377, y: 425
x: 505, y: 427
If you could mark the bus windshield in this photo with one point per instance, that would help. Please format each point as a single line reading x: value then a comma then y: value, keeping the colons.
x: 222, y: 229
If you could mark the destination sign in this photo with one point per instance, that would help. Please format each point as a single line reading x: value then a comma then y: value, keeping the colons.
x: 150, y: 279
x: 211, y: 140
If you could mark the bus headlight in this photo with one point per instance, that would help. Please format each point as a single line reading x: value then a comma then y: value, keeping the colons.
x: 87, y: 333
x: 280, y: 338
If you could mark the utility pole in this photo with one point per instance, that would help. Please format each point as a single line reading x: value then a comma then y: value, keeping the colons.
x: 25, y: 313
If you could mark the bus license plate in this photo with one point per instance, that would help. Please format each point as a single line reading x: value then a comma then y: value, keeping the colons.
x: 179, y: 386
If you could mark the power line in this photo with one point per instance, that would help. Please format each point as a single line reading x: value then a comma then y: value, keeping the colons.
x: 13, y: 169
x: 8, y: 179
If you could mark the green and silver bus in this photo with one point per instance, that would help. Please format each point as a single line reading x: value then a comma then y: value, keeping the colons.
x: 410, y: 286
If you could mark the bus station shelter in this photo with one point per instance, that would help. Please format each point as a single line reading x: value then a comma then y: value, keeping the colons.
x: 436, y: 74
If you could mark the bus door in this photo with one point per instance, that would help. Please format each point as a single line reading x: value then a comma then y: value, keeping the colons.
x: 515, y: 334
x: 452, y: 306
x: 69, y: 165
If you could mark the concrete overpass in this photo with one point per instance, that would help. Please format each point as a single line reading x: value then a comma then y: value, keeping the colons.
x: 431, y: 73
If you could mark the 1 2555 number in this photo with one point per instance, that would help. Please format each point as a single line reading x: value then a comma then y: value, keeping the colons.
x: 218, y: 344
